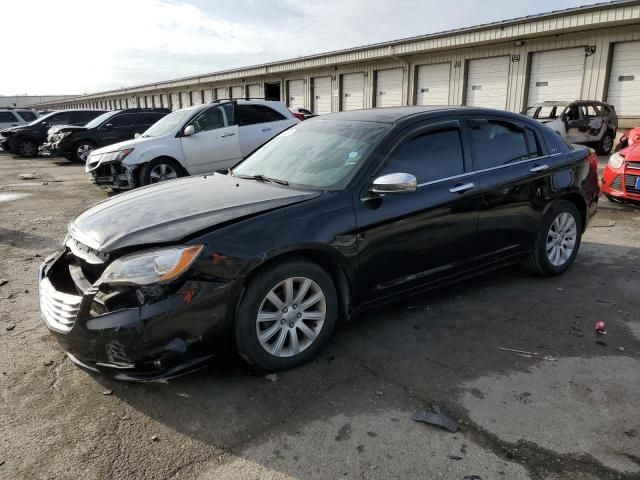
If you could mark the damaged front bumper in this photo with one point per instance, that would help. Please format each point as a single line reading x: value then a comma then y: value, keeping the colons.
x: 114, y: 175
x: 51, y: 149
x: 132, y: 333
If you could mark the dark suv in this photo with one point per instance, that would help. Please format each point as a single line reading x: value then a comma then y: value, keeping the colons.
x: 25, y: 139
x: 75, y: 142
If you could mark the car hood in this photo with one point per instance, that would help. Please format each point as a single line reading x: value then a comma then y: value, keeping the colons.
x: 114, y: 147
x: 65, y: 128
x: 170, y: 211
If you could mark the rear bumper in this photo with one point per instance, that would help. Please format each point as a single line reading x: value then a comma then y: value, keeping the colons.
x: 163, y: 337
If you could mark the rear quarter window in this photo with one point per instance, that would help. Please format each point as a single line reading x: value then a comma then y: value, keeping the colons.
x: 27, y: 116
x: 7, y: 117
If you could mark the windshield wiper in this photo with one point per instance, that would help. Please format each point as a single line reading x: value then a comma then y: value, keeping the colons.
x: 263, y: 178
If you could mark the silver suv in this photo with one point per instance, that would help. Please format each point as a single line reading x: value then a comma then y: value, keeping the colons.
x: 586, y: 122
x: 13, y: 117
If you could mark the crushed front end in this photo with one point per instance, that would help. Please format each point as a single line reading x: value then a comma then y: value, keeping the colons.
x: 108, y: 170
x: 130, y: 332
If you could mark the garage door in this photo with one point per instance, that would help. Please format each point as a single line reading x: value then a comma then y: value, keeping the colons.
x: 175, y: 101
x: 556, y: 75
x: 389, y: 88
x: 487, y: 82
x: 164, y: 100
x: 321, y: 95
x: 352, y: 95
x: 432, y: 84
x: 254, y: 91
x: 295, y: 93
x: 156, y: 101
x: 236, y: 92
x: 208, y: 95
x: 624, y: 82
x: 221, y: 93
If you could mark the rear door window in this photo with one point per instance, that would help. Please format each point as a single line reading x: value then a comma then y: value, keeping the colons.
x: 8, y: 117
x: 429, y: 156
x: 59, y: 119
x: 26, y: 115
x: 496, y: 142
x: 253, y: 114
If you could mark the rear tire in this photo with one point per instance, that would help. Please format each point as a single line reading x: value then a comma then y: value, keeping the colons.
x: 26, y: 148
x: 606, y: 143
x: 557, y: 242
x: 279, y: 337
x: 159, y: 170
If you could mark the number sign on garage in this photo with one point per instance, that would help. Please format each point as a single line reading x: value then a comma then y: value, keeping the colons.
x: 556, y: 75
x: 487, y: 82
x: 432, y: 84
x: 295, y: 93
x: 624, y: 80
x: 389, y: 88
x: 352, y: 91
x: 321, y: 95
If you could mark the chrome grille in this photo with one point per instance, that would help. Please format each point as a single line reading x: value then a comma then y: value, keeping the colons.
x: 58, y: 309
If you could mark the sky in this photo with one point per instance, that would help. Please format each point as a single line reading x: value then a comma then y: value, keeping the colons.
x: 84, y: 46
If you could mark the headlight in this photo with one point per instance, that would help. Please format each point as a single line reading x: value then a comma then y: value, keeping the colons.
x: 116, y: 156
x: 157, y: 266
x: 616, y: 160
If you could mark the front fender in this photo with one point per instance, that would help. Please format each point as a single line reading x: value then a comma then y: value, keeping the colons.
x: 172, y: 150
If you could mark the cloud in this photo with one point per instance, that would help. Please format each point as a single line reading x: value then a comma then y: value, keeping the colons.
x: 75, y: 46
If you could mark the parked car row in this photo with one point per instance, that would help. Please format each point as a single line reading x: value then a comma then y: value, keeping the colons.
x: 14, y: 117
x: 325, y: 219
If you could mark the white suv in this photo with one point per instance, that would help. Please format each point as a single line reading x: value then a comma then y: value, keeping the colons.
x: 11, y: 117
x: 194, y: 140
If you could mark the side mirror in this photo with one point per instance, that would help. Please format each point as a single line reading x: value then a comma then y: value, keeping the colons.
x: 46, y: 124
x: 188, y: 131
x: 137, y: 135
x: 108, y: 126
x: 394, y: 183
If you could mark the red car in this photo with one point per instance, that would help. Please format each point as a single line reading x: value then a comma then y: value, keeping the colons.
x: 621, y: 178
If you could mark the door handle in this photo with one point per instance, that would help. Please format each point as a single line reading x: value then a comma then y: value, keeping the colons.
x: 539, y: 168
x: 227, y: 135
x: 266, y: 129
x: 462, y: 188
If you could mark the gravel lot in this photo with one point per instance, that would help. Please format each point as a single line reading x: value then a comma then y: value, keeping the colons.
x: 348, y: 414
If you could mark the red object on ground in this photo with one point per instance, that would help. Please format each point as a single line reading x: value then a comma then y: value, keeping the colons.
x: 623, y: 182
x: 601, y: 327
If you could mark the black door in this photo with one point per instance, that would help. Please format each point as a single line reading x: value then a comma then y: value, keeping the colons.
x: 408, y: 239
x: 514, y: 175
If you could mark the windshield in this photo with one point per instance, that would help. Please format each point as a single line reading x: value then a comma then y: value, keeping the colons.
x: 99, y: 119
x: 167, y: 124
x: 317, y: 153
x: 545, y: 112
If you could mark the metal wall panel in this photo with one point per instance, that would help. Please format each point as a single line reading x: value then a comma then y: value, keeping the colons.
x: 184, y: 98
x: 236, y: 92
x: 208, y: 95
x: 254, y: 91
x: 221, y: 93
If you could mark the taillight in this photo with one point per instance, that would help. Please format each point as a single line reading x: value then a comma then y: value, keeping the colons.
x: 593, y: 159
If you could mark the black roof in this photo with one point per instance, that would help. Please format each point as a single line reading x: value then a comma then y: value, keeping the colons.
x: 397, y: 114
x: 143, y: 110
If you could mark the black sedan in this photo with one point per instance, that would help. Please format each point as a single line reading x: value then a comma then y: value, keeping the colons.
x: 329, y: 218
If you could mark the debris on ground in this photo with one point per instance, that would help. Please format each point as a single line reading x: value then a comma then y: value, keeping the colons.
x: 601, y: 328
x: 155, y: 438
x: 436, y: 417
x: 272, y: 377
x: 472, y: 477
x: 10, y: 327
x: 524, y: 353
x: 184, y: 395
x: 3, y: 281
x: 595, y: 225
x: 621, y: 349
x: 454, y: 457
x: 107, y: 392
x: 48, y: 363
x: 27, y: 176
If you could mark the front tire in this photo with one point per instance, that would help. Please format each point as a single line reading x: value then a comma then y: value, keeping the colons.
x: 606, y: 144
x: 159, y: 170
x: 81, y: 151
x: 286, y: 316
x: 26, y: 148
x: 557, y: 242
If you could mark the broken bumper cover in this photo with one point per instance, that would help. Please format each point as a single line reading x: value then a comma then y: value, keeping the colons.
x: 156, y: 339
x: 51, y: 149
x: 114, y: 175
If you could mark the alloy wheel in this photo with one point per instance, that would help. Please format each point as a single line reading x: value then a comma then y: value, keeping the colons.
x: 561, y: 239
x: 27, y: 149
x: 162, y: 172
x: 291, y: 316
x: 83, y: 151
x: 607, y: 143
